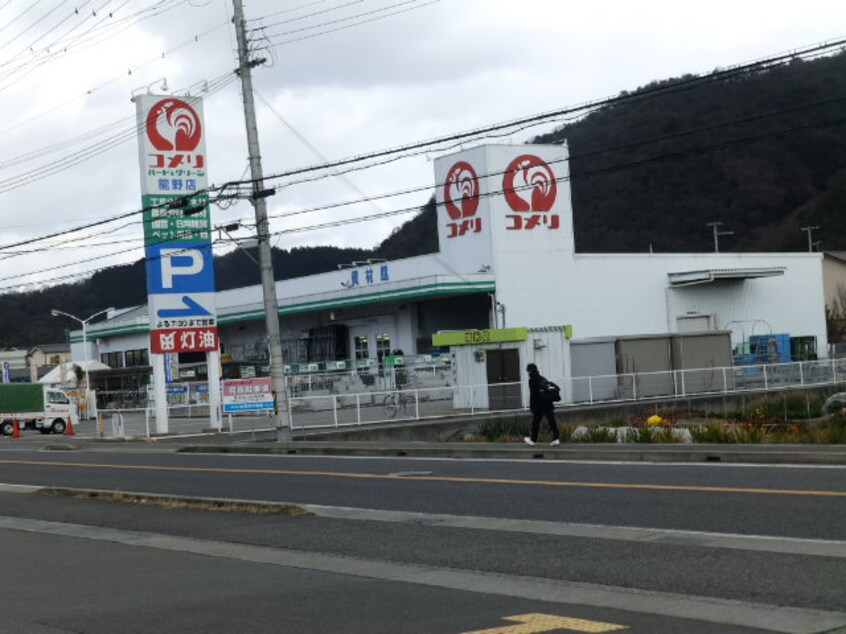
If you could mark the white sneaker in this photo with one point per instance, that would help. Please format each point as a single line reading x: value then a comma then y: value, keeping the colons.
x: 555, y: 442
x: 528, y: 440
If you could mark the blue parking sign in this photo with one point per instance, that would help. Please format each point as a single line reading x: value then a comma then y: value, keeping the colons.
x: 180, y: 267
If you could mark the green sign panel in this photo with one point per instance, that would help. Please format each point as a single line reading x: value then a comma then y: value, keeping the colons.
x: 186, y: 220
x: 471, y: 337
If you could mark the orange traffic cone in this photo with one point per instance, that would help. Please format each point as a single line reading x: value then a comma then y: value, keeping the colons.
x: 69, y: 429
x: 16, y: 430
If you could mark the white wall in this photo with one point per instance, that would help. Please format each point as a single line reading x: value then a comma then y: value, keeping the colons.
x: 630, y: 294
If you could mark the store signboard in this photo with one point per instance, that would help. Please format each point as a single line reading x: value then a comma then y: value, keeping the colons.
x: 177, y: 225
x: 248, y: 395
x: 471, y: 337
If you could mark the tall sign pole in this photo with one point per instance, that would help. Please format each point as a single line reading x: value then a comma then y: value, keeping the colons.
x: 277, y: 369
x: 177, y: 241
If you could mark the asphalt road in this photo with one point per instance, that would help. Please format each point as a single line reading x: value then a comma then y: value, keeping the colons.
x: 408, y: 545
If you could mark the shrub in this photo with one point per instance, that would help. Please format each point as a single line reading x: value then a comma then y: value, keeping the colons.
x: 513, y: 429
x: 836, y: 429
x: 503, y: 429
x: 715, y: 433
x: 601, y: 434
x: 640, y: 435
x: 750, y: 434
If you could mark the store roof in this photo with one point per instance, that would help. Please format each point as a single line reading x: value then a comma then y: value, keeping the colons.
x: 246, y: 303
x: 706, y: 276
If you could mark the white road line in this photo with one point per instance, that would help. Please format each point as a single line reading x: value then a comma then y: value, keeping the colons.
x: 730, y: 541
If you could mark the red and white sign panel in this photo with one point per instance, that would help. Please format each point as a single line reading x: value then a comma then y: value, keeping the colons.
x: 461, y: 199
x: 184, y: 340
x: 530, y: 188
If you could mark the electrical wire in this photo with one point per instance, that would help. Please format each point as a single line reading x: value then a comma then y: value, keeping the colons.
x: 70, y: 231
x: 416, y: 209
x: 381, y: 15
x: 308, y: 15
x: 90, y: 151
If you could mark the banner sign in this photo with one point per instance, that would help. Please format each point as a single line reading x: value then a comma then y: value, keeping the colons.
x: 470, y: 337
x: 177, y: 394
x: 177, y: 225
x: 248, y: 395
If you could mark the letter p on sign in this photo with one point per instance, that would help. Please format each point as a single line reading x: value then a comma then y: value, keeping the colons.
x: 177, y: 262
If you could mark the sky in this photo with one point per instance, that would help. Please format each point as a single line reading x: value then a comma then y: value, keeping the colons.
x: 340, y: 78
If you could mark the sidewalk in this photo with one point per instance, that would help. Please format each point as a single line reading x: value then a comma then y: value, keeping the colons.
x: 262, y: 441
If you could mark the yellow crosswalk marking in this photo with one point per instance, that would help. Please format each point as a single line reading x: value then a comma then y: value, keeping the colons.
x: 537, y: 623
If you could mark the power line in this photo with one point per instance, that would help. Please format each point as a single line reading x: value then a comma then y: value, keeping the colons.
x: 354, y: 159
x: 625, y: 98
x: 95, y: 149
x: 133, y: 68
x: 382, y: 15
x: 306, y: 16
x: 395, y: 212
x: 581, y: 109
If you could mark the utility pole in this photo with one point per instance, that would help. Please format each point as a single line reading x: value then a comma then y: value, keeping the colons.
x: 268, y: 284
x: 717, y: 234
x: 810, y: 231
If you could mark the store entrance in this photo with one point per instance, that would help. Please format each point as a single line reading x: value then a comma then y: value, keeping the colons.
x: 503, y: 367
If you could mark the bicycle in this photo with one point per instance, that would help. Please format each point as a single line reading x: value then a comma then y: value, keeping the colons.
x: 396, y: 401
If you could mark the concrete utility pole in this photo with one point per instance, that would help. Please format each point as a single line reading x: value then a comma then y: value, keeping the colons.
x: 718, y: 233
x: 271, y: 316
x: 810, y: 231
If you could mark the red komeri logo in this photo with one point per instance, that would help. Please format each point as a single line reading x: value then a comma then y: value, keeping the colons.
x: 529, y: 184
x: 461, y: 191
x: 173, y: 125
x: 530, y: 189
x: 461, y: 198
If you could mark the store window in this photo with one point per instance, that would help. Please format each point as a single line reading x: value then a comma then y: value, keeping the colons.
x: 135, y: 358
x: 112, y: 359
x: 383, y: 346
x: 361, y: 348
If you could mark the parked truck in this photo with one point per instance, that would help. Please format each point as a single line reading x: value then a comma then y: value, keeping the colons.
x: 34, y: 405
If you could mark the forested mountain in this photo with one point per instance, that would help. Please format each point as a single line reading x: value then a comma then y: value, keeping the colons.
x: 764, y: 153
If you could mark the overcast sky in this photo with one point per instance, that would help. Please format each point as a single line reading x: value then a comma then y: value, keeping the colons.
x: 342, y: 78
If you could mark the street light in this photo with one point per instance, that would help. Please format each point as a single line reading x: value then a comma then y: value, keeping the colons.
x: 84, y: 323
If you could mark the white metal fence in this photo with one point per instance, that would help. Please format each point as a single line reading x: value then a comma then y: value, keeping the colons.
x: 345, y: 400
x: 334, y: 411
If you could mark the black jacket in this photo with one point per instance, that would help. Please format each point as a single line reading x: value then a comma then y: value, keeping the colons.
x: 536, y: 403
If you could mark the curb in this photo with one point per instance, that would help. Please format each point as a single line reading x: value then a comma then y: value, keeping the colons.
x: 186, y: 501
x: 693, y: 455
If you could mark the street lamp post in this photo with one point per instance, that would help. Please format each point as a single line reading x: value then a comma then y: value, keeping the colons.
x: 84, y: 323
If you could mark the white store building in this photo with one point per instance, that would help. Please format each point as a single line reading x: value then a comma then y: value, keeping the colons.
x: 506, y: 258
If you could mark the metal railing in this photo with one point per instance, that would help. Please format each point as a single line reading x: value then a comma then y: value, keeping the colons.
x: 333, y: 411
x: 324, y: 405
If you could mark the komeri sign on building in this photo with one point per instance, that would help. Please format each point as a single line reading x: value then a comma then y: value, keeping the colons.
x: 180, y: 264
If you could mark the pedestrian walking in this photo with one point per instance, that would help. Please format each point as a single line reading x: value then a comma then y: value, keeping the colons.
x: 542, y: 396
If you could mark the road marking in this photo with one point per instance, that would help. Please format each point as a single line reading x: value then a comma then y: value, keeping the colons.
x: 433, y: 478
x: 537, y: 623
x: 675, y: 537
x: 762, y: 617
x: 551, y: 462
